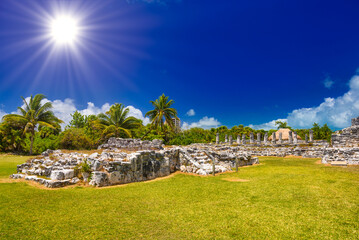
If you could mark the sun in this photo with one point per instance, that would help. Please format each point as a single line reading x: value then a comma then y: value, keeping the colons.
x: 64, y: 29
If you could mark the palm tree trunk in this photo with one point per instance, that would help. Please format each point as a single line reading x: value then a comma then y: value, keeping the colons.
x: 145, y: 134
x: 32, y: 143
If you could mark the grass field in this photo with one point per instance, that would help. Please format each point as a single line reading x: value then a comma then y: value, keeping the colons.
x: 284, y: 198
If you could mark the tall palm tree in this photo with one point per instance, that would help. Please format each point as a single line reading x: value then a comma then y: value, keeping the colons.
x: 163, y: 113
x: 116, y: 120
x: 34, y: 114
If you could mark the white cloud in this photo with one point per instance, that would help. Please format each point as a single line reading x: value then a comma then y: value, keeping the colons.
x: 64, y: 109
x: 2, y: 113
x: 191, y: 113
x: 328, y: 82
x: 336, y: 112
x: 268, y: 125
x: 137, y: 113
x: 205, y: 123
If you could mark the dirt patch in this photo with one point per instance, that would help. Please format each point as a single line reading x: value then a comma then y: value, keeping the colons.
x: 293, y: 156
x: 235, y: 180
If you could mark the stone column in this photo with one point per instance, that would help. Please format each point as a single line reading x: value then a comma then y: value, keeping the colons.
x: 259, y: 138
x: 226, y: 138
x: 280, y: 141
x: 265, y: 138
x: 290, y: 137
x: 251, y: 138
x: 306, y: 138
x: 243, y: 139
x: 273, y: 138
x: 311, y: 135
x: 295, y: 138
x: 217, y: 138
x: 230, y: 140
x: 238, y: 139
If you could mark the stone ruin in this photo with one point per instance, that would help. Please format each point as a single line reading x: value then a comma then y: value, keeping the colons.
x: 122, y: 161
x: 343, y: 149
x: 132, y: 144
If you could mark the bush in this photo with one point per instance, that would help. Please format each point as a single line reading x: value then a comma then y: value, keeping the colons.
x: 75, y: 138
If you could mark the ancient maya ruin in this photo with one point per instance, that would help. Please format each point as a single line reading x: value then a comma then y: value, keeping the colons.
x: 122, y: 161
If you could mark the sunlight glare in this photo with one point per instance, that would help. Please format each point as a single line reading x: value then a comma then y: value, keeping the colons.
x: 64, y: 30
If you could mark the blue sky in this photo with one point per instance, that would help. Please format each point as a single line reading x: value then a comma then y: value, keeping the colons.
x: 229, y: 62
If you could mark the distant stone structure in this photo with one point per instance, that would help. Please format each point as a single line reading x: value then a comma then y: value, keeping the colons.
x: 177, y: 124
x: 230, y: 140
x: 259, y: 138
x: 226, y: 138
x: 273, y: 138
x: 295, y: 138
x: 265, y: 140
x: 217, y: 138
x: 280, y: 140
x: 348, y: 137
x: 251, y: 138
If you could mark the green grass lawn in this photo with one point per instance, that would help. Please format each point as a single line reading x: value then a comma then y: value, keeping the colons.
x: 285, y: 198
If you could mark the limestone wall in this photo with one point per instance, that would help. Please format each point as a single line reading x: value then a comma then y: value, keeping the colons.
x: 114, y: 166
x: 132, y: 144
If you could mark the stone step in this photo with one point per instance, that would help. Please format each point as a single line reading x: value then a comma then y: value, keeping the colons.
x: 338, y: 163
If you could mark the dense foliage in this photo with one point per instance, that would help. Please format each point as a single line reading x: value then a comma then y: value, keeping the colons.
x: 28, y: 133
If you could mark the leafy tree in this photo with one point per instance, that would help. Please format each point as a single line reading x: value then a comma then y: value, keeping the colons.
x: 78, y: 120
x: 281, y: 124
x: 34, y: 114
x: 116, y: 122
x: 316, y: 131
x: 11, y: 137
x: 75, y: 138
x: 162, y: 114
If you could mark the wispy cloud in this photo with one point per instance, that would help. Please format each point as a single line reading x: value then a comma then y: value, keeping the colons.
x: 336, y: 112
x: 328, y: 82
x: 205, y: 123
x: 191, y: 113
x: 268, y: 125
x: 64, y: 108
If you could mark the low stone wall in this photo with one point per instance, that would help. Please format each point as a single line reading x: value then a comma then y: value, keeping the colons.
x: 114, y: 166
x: 132, y: 144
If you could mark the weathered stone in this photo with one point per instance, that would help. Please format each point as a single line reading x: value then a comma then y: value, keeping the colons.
x: 230, y: 140
x: 99, y: 179
x: 280, y: 141
x: 217, y: 138
x: 238, y: 139
x: 243, y: 139
x: 258, y: 138
x: 295, y: 138
x: 273, y: 138
x: 310, y: 135
x: 306, y: 138
x: 57, y: 175
x: 251, y: 138
x: 290, y: 137
x: 265, y: 140
x: 96, y: 165
x: 226, y: 138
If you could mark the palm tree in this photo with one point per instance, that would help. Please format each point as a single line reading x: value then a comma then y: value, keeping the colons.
x: 34, y: 114
x: 116, y: 120
x: 163, y: 113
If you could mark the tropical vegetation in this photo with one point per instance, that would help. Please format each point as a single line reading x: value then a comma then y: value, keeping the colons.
x: 35, y: 128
